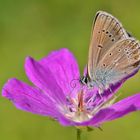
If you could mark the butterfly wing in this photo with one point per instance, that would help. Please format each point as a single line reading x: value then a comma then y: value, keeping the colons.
x: 121, y: 60
x: 107, y: 30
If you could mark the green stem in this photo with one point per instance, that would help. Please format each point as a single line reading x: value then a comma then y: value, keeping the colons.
x: 79, y: 134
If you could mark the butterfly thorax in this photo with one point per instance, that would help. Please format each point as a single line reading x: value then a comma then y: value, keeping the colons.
x: 101, y: 79
x: 85, y: 80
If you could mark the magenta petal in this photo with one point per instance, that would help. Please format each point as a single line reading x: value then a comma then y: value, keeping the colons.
x: 125, y: 106
x: 44, y: 79
x: 63, y: 66
x: 29, y: 98
x: 117, y: 110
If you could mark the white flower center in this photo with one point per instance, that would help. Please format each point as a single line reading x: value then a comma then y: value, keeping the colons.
x: 79, y: 109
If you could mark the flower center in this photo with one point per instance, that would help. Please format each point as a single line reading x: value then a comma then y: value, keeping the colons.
x: 77, y: 110
x: 84, y: 106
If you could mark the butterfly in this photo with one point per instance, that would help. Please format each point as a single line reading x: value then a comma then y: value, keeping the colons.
x: 113, y: 53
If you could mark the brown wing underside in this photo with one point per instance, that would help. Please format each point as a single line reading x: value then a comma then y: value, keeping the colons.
x: 123, y: 57
x: 107, y: 30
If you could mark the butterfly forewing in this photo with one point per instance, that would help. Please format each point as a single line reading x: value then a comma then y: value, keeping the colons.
x: 107, y: 30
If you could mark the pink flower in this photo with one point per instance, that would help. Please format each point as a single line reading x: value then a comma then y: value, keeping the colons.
x: 53, y: 95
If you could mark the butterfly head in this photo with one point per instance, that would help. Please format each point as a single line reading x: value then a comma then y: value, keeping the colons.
x: 84, y: 80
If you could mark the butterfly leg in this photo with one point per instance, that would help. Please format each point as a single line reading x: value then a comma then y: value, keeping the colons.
x: 101, y: 90
x: 110, y: 90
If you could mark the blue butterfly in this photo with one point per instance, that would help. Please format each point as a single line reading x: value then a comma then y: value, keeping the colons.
x: 113, y: 53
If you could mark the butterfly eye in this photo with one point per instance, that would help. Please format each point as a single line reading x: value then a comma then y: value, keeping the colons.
x: 119, y: 50
x: 103, y: 30
x: 110, y: 35
x: 110, y: 54
x: 99, y: 32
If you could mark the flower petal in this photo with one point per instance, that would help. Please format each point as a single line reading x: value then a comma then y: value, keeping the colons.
x: 125, y: 106
x: 63, y: 66
x: 117, y: 110
x: 44, y: 79
x: 29, y: 98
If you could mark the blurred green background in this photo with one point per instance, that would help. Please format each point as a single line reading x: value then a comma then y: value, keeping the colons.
x: 36, y: 27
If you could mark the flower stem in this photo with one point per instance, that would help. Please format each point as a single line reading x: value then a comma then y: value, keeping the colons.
x: 79, y: 134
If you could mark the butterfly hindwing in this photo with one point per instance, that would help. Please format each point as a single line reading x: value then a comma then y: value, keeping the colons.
x: 121, y: 60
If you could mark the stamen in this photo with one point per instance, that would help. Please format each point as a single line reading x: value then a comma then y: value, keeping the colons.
x: 85, y: 105
x: 80, y: 102
x: 92, y: 99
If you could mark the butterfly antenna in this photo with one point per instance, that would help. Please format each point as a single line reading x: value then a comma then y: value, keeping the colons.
x: 73, y: 86
x: 73, y: 83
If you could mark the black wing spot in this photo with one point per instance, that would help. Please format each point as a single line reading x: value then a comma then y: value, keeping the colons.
x: 107, y: 32
x: 113, y: 40
x: 100, y: 46
x: 103, y: 30
x: 126, y: 49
